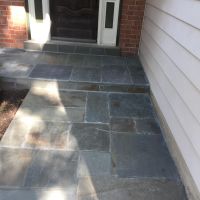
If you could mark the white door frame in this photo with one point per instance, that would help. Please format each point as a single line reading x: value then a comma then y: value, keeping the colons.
x: 41, y: 29
x: 107, y: 36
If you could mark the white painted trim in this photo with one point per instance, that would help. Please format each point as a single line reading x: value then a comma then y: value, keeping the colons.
x: 100, y: 22
x: 40, y: 29
x: 108, y: 36
x: 46, y: 17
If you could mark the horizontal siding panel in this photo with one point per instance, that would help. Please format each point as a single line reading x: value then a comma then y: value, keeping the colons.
x: 170, y: 53
x: 192, y: 131
x: 185, y: 61
x: 184, y: 34
x: 183, y: 86
x: 191, y: 158
x: 185, y: 10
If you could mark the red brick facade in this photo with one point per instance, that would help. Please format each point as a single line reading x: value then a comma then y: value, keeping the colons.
x: 13, y: 27
x: 130, y: 25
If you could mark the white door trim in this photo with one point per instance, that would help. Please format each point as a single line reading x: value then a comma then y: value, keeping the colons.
x: 107, y: 36
x: 100, y: 23
x: 40, y: 29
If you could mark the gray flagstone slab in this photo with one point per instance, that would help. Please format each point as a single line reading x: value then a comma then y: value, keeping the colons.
x: 89, y: 137
x: 97, y: 108
x: 130, y: 105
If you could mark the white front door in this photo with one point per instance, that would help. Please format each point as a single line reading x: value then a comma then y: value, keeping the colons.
x: 107, y: 23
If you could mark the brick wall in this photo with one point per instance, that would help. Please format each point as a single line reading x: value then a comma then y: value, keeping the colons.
x: 130, y: 25
x: 13, y: 27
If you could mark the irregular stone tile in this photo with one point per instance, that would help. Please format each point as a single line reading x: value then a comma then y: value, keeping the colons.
x: 53, y: 169
x: 66, y: 49
x: 100, y: 186
x: 141, y: 156
x: 11, y: 51
x: 53, y: 135
x: 140, y: 79
x: 89, y: 197
x: 115, y: 74
x: 13, y: 166
x: 86, y: 74
x: 54, y: 114
x: 82, y: 50
x: 15, y: 134
x: 151, y: 190
x: 96, y: 185
x: 21, y: 58
x: 97, y: 51
x: 130, y: 105
x: 133, y: 60
x: 79, y: 86
x: 32, y: 58
x: 48, y: 71
x: 93, y: 163
x: 15, y: 69
x: 147, y: 126
x: 112, y: 51
x: 89, y: 137
x: 92, y: 61
x: 50, y: 47
x: 113, y: 60
x: 139, y: 89
x: 97, y: 108
x: 36, y: 134
x: 114, y: 88
x: 75, y: 60
x: 64, y: 85
x: 138, y: 76
x: 39, y: 194
x: 53, y: 58
x: 122, y: 125
x: 54, y: 97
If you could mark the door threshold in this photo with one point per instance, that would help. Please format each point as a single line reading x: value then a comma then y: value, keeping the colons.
x: 73, y: 40
x: 57, y: 46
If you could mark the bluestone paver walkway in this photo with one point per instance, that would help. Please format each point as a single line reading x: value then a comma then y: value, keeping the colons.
x: 84, y: 145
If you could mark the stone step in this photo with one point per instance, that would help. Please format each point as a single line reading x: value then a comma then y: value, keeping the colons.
x: 115, y: 134
x: 47, y: 116
x: 72, y: 47
x: 28, y: 83
x: 87, y: 143
x: 72, y: 72
x: 105, y: 188
x: 101, y: 190
x: 41, y: 174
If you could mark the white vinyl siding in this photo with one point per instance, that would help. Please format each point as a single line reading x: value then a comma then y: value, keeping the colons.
x: 170, y: 54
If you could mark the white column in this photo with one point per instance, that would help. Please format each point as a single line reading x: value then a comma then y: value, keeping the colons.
x: 40, y: 29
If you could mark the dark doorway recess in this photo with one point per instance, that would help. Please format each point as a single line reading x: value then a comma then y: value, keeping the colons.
x: 74, y: 19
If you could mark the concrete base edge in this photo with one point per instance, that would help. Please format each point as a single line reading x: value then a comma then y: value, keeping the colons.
x: 190, y: 186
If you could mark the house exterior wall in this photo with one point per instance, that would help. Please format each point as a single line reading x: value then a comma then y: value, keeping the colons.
x: 132, y: 12
x: 170, y: 53
x: 13, y: 25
